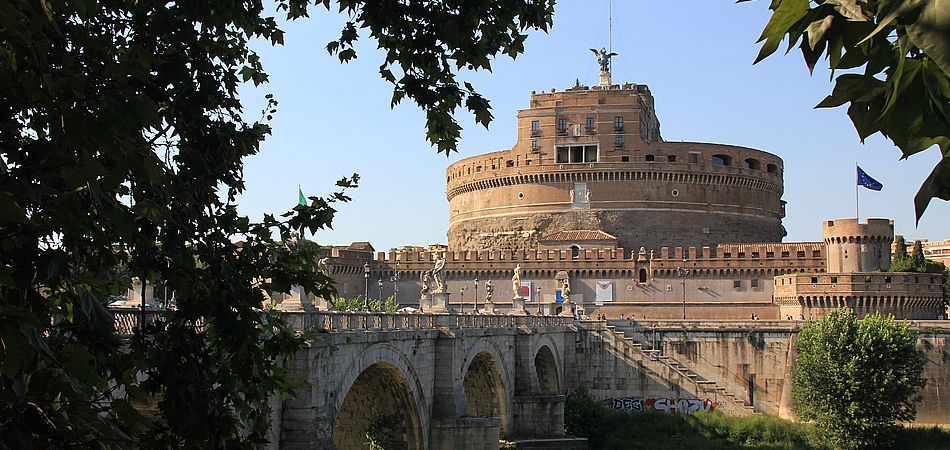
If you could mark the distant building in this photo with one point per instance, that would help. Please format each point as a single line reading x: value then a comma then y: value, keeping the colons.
x: 938, y: 251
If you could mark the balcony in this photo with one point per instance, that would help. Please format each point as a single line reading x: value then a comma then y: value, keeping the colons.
x: 535, y: 133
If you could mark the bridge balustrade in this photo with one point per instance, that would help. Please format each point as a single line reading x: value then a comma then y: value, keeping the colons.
x: 126, y: 320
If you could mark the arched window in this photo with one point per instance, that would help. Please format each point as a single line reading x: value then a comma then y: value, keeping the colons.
x: 721, y: 160
x: 643, y: 276
x: 753, y: 164
x: 671, y: 158
x: 649, y: 158
x: 575, y: 252
x: 771, y: 168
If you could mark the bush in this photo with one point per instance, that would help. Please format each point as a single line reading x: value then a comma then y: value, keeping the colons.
x: 856, y: 378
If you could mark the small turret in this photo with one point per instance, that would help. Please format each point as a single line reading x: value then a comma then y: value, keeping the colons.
x: 856, y: 247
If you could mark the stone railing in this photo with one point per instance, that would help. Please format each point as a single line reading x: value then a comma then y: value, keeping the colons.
x: 126, y: 320
x: 335, y: 321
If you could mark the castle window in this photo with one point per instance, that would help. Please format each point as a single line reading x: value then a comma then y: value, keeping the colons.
x: 671, y: 158
x: 784, y: 254
x: 752, y: 164
x: 535, y: 145
x: 887, y: 279
x: 624, y: 158
x: 618, y: 142
x: 727, y: 255
x: 575, y: 252
x: 478, y: 169
x: 737, y: 284
x: 834, y: 280
x: 693, y: 157
x: 801, y: 254
x: 643, y: 276
x: 741, y: 255
x: 590, y: 125
x: 770, y: 255
x: 576, y: 154
x: 755, y: 254
x: 814, y: 280
x: 649, y: 158
x: 771, y: 168
x: 816, y: 253
x: 754, y: 282
x: 618, y: 123
x: 527, y: 162
x: 721, y: 160
x: 561, y: 126
x: 509, y: 163
x: 535, y: 128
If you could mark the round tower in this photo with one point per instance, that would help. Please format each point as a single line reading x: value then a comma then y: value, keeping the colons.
x: 858, y: 247
x: 593, y: 158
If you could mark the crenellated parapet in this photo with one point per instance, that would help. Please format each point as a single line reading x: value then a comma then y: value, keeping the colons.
x: 858, y: 247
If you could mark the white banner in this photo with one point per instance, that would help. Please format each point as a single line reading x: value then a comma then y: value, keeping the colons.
x: 604, y: 291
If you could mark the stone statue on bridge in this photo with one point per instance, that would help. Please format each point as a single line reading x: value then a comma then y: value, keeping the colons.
x: 424, y: 294
x: 489, y: 289
x: 323, y: 264
x: 516, y: 282
x: 438, y: 275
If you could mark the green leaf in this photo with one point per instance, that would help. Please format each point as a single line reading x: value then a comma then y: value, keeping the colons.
x: 937, y: 185
x: 786, y: 14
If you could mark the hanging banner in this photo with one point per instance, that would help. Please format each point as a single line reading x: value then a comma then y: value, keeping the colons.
x: 525, y: 290
x: 604, y: 292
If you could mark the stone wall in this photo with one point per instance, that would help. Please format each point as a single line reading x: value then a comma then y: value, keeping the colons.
x: 755, y: 361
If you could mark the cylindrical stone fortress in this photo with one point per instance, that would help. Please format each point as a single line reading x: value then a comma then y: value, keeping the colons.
x: 593, y: 159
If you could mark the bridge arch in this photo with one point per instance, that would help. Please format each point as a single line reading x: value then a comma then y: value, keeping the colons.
x: 380, y: 384
x: 487, y: 382
x: 547, y: 369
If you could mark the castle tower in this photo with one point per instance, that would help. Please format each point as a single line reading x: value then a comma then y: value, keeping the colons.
x: 856, y: 247
x: 593, y: 158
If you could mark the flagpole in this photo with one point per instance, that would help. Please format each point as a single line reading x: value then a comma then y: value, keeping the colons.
x: 857, y: 213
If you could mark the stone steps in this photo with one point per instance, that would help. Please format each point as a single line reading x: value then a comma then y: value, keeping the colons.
x: 658, y: 363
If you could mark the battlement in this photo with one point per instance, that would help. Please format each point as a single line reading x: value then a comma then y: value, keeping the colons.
x: 851, y: 228
x: 767, y: 255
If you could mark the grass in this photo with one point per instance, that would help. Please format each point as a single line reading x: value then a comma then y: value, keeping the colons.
x: 615, y: 430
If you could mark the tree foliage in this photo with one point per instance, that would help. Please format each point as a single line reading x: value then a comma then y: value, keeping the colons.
x: 856, y: 378
x: 122, y: 143
x: 900, y: 246
x: 896, y: 59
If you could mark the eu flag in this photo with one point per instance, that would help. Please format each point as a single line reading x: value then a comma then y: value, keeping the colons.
x: 865, y: 180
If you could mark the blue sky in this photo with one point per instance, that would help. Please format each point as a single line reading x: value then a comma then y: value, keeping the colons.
x: 334, y: 119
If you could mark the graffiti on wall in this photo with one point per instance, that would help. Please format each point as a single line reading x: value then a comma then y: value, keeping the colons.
x: 665, y: 405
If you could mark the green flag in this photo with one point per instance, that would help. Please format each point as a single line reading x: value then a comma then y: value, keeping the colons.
x: 301, y: 199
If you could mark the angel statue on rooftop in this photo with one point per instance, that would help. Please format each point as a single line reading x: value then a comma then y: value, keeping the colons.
x: 603, y: 58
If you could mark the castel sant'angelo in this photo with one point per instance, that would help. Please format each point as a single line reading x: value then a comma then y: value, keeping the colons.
x: 600, y: 216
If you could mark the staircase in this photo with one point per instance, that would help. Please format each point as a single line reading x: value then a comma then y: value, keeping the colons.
x: 660, y: 366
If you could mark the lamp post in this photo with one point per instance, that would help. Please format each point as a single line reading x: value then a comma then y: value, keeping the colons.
x: 462, y: 301
x: 682, y: 272
x: 538, y: 291
x: 475, y: 298
x: 379, y: 284
x: 394, y: 279
x: 366, y: 287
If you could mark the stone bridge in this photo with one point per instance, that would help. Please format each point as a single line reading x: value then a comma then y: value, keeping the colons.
x: 465, y: 381
x: 442, y: 381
